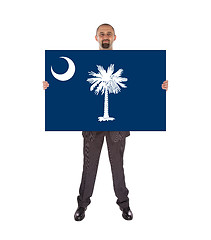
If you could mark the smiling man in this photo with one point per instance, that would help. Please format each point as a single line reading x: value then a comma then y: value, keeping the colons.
x: 93, y: 142
x: 105, y: 35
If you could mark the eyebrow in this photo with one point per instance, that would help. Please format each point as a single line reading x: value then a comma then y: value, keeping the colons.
x: 103, y: 32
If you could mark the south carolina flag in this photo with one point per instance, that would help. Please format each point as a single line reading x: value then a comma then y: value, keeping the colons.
x: 93, y: 90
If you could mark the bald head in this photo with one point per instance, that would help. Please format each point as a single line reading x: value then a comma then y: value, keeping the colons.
x: 105, y: 24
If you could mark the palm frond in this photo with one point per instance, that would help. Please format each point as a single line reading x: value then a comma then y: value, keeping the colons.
x: 110, y: 69
x: 122, y: 85
x: 94, y: 74
x: 101, y: 70
x: 94, y: 85
x: 113, y: 87
x: 93, y: 80
x: 114, y: 90
x: 118, y: 73
x: 101, y: 85
x: 120, y: 79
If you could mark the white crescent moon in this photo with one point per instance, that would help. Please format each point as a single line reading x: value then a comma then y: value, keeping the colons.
x: 68, y: 74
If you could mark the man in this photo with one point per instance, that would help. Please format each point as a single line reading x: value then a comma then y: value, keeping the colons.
x: 93, y: 142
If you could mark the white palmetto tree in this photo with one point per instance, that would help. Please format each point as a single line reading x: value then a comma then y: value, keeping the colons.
x: 106, y: 82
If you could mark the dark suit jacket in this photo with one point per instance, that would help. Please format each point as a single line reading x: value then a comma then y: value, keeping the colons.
x: 115, y: 135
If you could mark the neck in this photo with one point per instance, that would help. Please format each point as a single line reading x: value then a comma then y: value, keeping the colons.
x: 111, y: 48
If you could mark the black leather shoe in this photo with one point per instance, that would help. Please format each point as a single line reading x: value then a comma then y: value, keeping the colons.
x: 80, y: 213
x: 127, y: 213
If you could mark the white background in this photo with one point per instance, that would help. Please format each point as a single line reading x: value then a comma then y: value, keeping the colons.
x: 167, y: 173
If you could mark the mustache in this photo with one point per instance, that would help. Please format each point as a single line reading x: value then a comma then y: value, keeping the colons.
x: 106, y: 40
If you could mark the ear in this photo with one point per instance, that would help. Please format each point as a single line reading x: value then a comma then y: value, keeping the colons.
x: 114, y: 37
x: 96, y: 38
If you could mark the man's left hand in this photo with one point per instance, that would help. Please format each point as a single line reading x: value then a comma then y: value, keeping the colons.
x: 165, y: 85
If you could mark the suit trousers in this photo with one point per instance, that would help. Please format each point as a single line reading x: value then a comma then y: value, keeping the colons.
x: 92, y: 150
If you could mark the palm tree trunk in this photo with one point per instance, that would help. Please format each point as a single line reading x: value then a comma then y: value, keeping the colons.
x: 106, y: 105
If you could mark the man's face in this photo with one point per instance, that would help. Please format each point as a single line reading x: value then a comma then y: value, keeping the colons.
x: 105, y: 36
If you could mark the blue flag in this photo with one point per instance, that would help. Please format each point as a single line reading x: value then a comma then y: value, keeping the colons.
x: 93, y: 90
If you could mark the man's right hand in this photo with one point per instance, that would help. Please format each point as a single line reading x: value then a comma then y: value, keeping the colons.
x: 45, y: 85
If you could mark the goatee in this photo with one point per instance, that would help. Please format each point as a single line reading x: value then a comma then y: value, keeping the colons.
x: 105, y: 45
